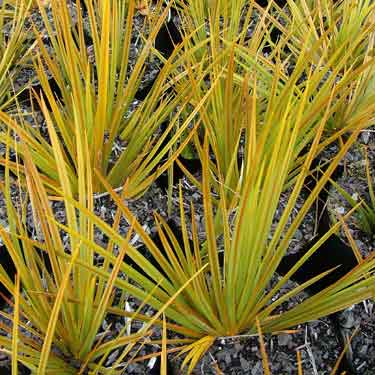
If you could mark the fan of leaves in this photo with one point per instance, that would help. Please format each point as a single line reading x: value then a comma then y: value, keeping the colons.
x: 97, y: 100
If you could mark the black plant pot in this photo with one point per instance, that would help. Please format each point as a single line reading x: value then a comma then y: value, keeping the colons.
x: 165, y: 42
x: 7, y: 263
x: 167, y: 38
x: 264, y: 3
x: 22, y: 370
x: 27, y: 97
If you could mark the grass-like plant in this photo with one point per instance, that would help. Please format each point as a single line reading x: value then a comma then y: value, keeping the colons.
x: 14, y: 50
x: 228, y: 297
x: 341, y: 25
x: 65, y: 308
x: 102, y: 113
x: 240, y: 69
x: 66, y: 293
x: 339, y: 39
x: 231, y: 17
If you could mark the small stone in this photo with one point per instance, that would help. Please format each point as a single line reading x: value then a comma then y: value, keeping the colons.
x: 257, y: 369
x: 238, y: 347
x: 365, y: 135
x: 112, y: 357
x: 360, y: 244
x: 228, y: 359
x: 244, y: 364
x: 363, y: 351
x: 103, y: 211
x: 349, y: 319
x: 340, y: 210
x: 196, y: 196
x: 298, y: 235
x: 105, y: 325
x: 283, y: 339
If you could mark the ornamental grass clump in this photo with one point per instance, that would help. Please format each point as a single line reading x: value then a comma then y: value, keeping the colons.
x: 61, y: 293
x: 64, y: 304
x: 339, y: 39
x: 97, y: 97
x: 233, y: 291
x: 239, y: 68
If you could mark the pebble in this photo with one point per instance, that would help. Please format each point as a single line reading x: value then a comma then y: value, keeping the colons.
x: 257, y: 369
x: 365, y: 136
x: 244, y: 364
x: 298, y: 235
x: 359, y: 243
x: 238, y: 346
x: 355, y: 196
x: 340, y: 210
x: 283, y: 339
x: 363, y: 351
x: 227, y: 359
